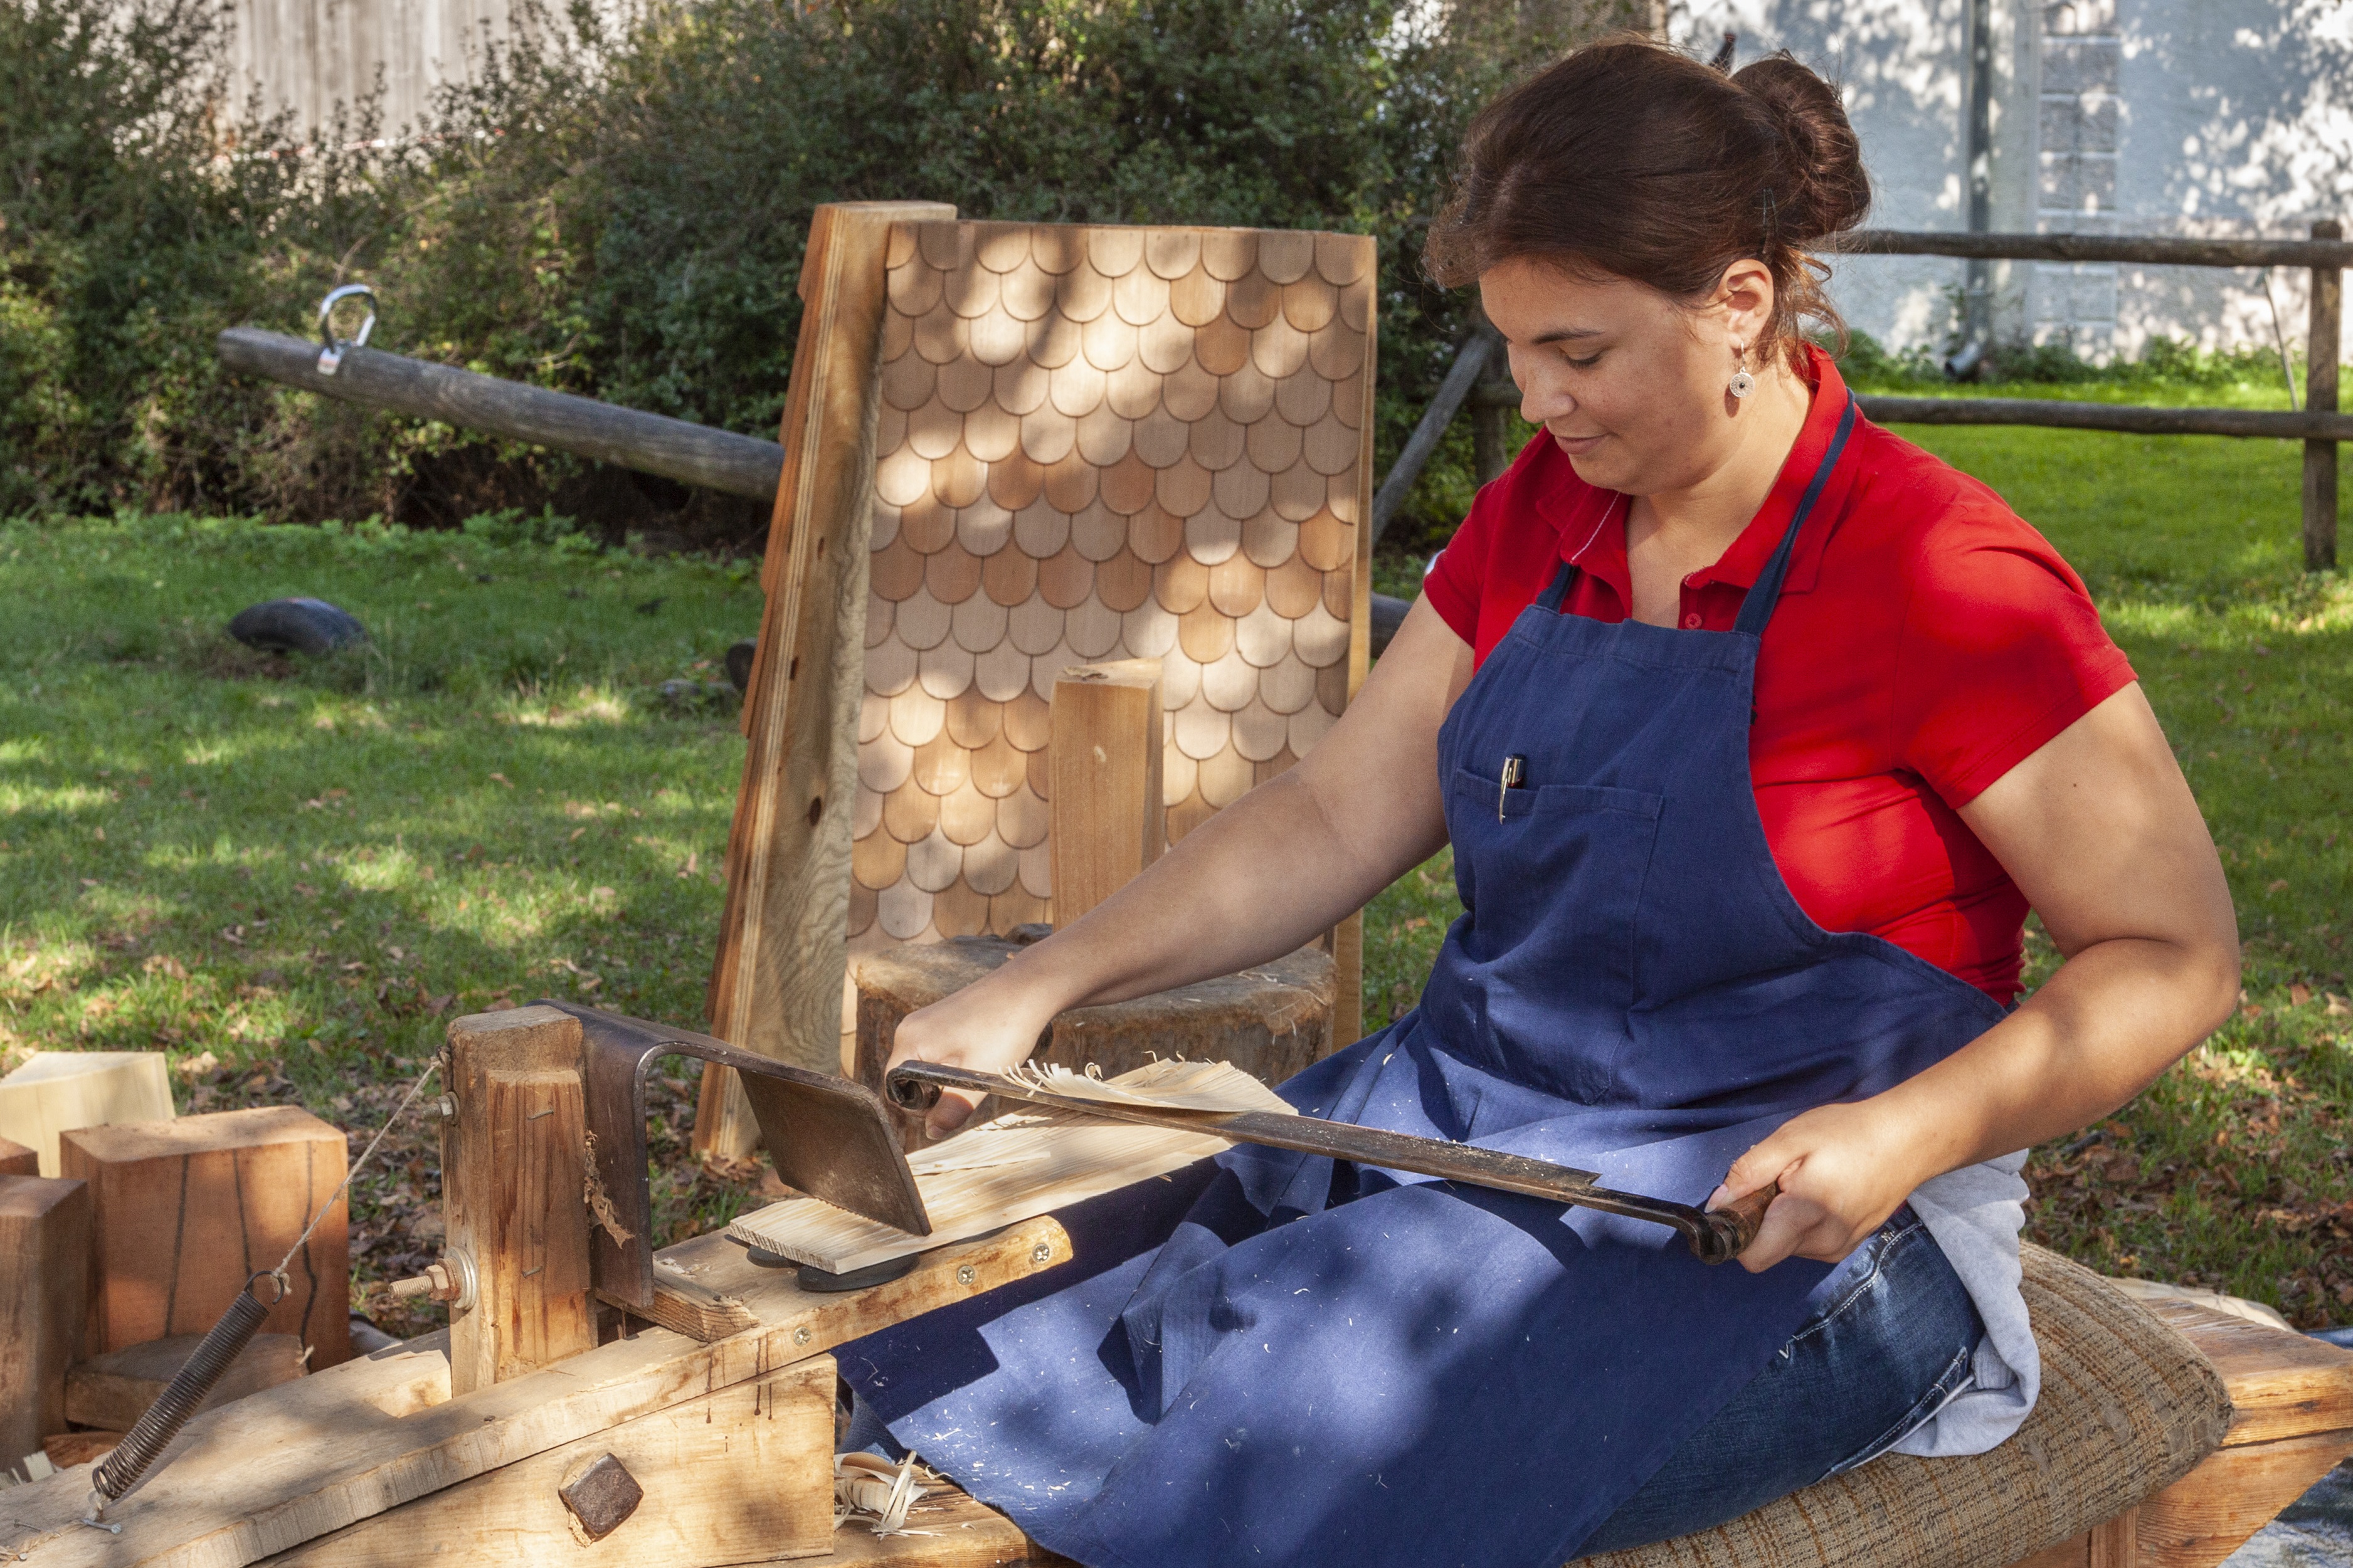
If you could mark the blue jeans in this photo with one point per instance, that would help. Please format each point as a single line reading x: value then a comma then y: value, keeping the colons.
x: 1889, y: 1345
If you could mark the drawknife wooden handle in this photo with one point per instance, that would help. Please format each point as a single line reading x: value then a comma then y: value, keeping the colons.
x: 1735, y: 1223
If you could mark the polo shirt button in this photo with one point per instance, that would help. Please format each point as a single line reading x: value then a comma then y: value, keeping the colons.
x: 1691, y: 623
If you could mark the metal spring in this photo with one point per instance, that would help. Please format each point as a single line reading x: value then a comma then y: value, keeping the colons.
x: 154, y: 1432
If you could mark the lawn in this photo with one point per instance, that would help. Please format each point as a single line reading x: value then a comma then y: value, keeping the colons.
x: 289, y: 876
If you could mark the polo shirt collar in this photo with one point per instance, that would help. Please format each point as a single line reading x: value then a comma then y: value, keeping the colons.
x: 1593, y: 526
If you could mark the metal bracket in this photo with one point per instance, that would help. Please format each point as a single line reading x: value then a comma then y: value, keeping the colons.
x: 331, y: 354
x: 830, y: 1137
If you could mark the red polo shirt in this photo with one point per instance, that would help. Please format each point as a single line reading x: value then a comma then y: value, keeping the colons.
x: 1927, y: 641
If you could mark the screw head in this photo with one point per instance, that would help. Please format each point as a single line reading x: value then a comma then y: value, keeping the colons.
x: 1042, y: 1252
x: 966, y: 1274
x: 803, y: 1334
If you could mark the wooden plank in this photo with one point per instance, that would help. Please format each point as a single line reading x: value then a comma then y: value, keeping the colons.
x: 1025, y: 1163
x: 44, y: 1273
x: 115, y: 1390
x: 2282, y: 1385
x: 2211, y: 1512
x: 183, y: 1212
x: 292, y: 1463
x: 2115, y: 1542
x: 55, y: 1091
x: 514, y: 1172
x: 2147, y: 249
x: 17, y: 1160
x: 776, y: 978
x: 1106, y: 819
x: 2071, y: 1553
x: 695, y: 1310
x: 745, y: 1475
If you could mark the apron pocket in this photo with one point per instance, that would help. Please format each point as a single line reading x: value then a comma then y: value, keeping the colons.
x: 1551, y: 892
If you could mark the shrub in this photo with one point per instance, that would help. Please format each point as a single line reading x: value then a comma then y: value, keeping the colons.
x: 624, y: 216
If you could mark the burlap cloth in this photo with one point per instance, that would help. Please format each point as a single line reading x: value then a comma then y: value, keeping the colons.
x: 2128, y: 1406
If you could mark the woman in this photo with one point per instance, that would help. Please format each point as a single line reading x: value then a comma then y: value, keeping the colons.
x: 1756, y: 731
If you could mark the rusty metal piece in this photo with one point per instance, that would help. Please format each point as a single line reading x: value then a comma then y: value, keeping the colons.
x: 602, y: 1497
x: 826, y: 1136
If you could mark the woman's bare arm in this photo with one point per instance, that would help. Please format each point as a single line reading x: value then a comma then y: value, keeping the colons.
x: 1257, y: 881
x: 2099, y: 830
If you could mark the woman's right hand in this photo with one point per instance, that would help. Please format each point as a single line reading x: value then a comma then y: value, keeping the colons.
x: 990, y: 1026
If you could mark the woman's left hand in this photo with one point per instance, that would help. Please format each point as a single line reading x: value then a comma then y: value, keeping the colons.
x: 1844, y: 1169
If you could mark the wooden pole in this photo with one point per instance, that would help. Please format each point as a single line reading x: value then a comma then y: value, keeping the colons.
x: 1491, y: 429
x: 514, y: 1182
x: 2325, y: 343
x: 1469, y: 362
x: 1105, y: 820
x: 777, y: 980
x: 2055, y: 413
x: 650, y: 443
x: 2322, y: 250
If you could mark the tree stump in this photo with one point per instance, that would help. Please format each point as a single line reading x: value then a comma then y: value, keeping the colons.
x: 1272, y: 1021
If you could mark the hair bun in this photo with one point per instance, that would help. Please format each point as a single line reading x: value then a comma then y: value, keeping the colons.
x: 1828, y: 191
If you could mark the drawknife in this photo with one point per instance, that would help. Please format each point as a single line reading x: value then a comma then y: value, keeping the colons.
x: 1715, y: 1235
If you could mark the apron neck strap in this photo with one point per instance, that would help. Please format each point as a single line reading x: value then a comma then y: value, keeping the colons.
x: 1757, y: 607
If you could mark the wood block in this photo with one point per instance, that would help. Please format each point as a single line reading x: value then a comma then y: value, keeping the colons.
x: 289, y: 1464
x: 1271, y: 1022
x: 745, y: 1475
x: 66, y: 1449
x: 16, y: 1160
x: 44, y: 1274
x: 184, y: 1212
x: 1105, y: 821
x: 776, y: 979
x: 55, y: 1091
x: 514, y: 1170
x: 115, y: 1389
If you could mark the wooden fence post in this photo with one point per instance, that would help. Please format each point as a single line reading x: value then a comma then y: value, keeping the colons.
x: 2320, y: 398
x: 515, y: 1179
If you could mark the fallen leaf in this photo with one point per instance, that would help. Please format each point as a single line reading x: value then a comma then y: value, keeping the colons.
x: 2278, y: 885
x: 502, y: 778
x: 2297, y: 995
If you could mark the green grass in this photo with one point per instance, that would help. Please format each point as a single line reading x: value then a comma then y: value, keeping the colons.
x: 288, y: 875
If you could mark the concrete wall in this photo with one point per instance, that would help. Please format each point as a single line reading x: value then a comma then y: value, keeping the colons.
x: 2168, y: 117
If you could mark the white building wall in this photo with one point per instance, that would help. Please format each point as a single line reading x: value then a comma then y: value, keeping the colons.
x: 2160, y: 117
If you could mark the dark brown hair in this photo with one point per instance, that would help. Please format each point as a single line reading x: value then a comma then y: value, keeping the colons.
x: 1627, y: 159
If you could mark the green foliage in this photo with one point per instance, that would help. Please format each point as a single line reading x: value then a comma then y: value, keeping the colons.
x: 625, y: 217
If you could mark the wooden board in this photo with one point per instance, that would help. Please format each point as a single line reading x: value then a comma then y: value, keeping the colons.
x: 54, y: 1091
x: 115, y: 1389
x: 2282, y: 1383
x: 775, y: 980
x: 44, y: 1273
x: 183, y: 1212
x: 17, y: 1160
x: 1271, y: 1021
x: 1027, y: 1161
x: 743, y: 1475
x: 1106, y: 820
x: 293, y: 1463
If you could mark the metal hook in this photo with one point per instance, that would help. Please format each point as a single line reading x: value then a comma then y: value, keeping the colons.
x: 331, y: 357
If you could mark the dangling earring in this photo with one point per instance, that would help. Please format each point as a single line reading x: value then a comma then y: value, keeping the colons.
x: 1742, y: 383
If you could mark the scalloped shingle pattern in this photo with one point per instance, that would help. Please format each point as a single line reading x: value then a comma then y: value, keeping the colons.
x: 1098, y: 443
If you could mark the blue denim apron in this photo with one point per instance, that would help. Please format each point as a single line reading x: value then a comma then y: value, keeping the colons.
x: 1273, y: 1359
